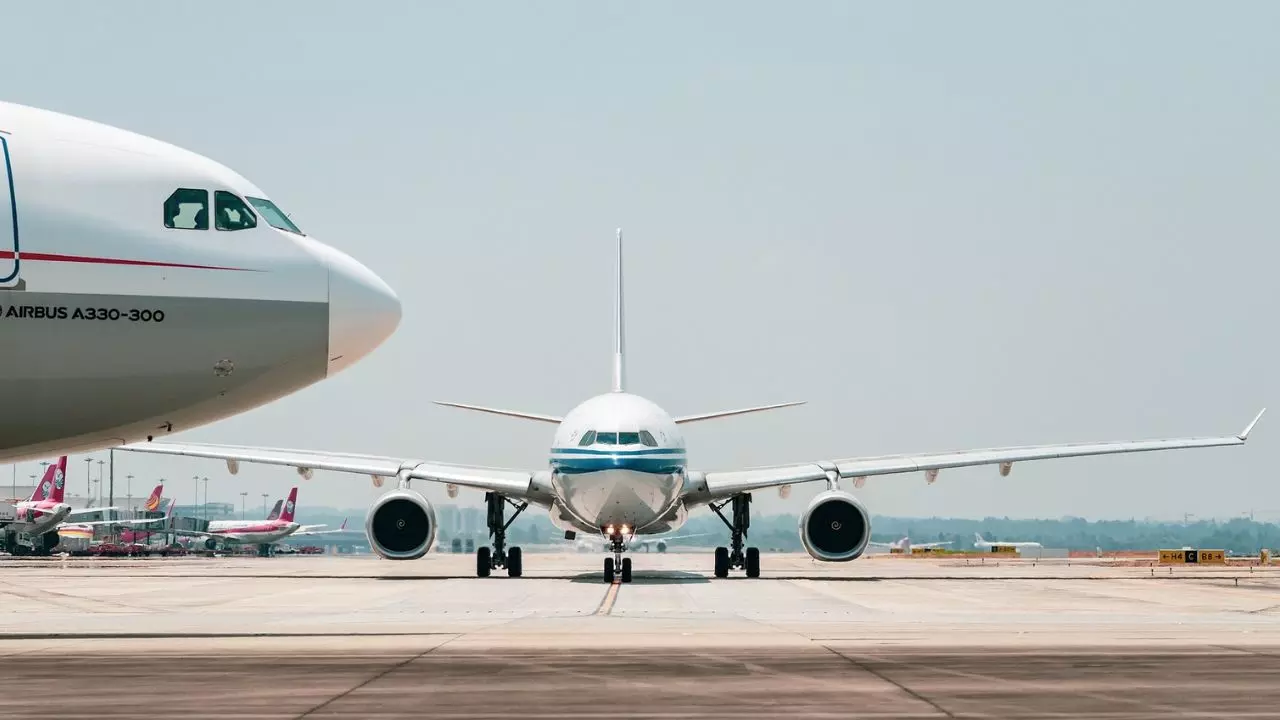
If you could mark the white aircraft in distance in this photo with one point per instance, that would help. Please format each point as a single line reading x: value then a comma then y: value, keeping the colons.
x: 618, y: 468
x: 145, y: 288
x: 905, y: 545
x: 982, y: 543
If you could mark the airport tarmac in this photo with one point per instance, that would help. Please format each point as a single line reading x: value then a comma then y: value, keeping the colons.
x: 359, y: 637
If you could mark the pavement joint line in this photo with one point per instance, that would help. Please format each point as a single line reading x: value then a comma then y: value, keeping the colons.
x: 378, y: 676
x: 885, y: 678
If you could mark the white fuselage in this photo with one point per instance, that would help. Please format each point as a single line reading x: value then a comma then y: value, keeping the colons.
x: 252, y: 532
x: 144, y: 288
x: 618, y: 460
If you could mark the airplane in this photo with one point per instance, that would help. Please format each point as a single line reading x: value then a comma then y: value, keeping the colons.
x: 904, y: 545
x: 618, y: 468
x: 262, y: 533
x: 37, y: 517
x: 982, y: 543
x: 275, y: 510
x: 199, y: 296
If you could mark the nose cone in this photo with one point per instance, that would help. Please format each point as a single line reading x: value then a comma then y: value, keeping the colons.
x: 363, y: 311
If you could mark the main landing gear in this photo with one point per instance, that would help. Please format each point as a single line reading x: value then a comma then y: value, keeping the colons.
x: 617, y: 565
x: 499, y: 556
x: 734, y: 557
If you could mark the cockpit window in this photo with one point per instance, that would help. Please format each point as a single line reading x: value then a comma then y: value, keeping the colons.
x: 587, y: 439
x: 230, y: 212
x: 628, y: 438
x: 607, y: 438
x: 647, y: 438
x: 274, y: 216
x: 187, y: 209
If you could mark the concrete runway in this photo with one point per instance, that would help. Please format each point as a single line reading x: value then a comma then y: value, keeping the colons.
x: 325, y: 637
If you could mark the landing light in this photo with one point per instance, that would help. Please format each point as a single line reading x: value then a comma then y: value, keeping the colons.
x: 625, y: 530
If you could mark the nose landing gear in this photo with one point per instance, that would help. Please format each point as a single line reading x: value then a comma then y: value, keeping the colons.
x: 736, y: 556
x: 617, y: 565
x: 489, y: 559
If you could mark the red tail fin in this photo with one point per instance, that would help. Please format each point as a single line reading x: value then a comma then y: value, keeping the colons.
x: 53, y: 484
x: 286, y: 514
x: 153, y: 502
x: 275, y: 510
x: 343, y: 526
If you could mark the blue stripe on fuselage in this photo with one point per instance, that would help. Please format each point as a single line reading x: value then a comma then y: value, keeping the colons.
x: 650, y: 460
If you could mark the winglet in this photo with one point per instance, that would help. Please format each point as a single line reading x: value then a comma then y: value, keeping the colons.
x: 1249, y: 428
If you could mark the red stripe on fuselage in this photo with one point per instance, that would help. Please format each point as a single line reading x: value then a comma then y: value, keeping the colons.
x: 55, y: 257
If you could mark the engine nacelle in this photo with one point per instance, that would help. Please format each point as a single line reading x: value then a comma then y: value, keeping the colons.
x: 401, y: 525
x: 835, y: 527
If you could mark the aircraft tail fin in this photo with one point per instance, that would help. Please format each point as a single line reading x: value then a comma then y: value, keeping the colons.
x: 619, y: 328
x: 343, y: 526
x: 739, y: 411
x: 978, y: 538
x: 286, y: 513
x: 56, y: 474
x: 153, y: 502
x: 275, y: 510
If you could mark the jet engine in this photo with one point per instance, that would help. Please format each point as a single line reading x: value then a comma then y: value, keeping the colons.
x: 401, y: 525
x: 835, y: 527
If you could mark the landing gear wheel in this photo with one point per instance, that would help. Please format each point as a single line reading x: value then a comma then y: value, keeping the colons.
x: 733, y: 557
x: 626, y: 570
x: 608, y: 570
x: 514, y: 564
x: 496, y: 517
x: 484, y: 562
x: 722, y: 562
x: 753, y: 562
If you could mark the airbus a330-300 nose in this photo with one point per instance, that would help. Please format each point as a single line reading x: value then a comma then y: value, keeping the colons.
x: 146, y: 289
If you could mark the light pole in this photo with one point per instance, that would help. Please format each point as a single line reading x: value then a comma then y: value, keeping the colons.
x: 95, y: 489
x: 100, y: 464
x: 243, y: 495
x: 205, y: 514
x: 264, y: 504
x: 129, y: 489
x: 197, y: 479
x: 88, y: 483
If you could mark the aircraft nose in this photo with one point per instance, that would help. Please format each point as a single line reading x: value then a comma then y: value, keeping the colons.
x: 363, y: 311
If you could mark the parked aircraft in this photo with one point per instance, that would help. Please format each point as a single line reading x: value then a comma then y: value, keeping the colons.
x: 146, y: 289
x: 905, y: 545
x: 618, y: 468
x: 982, y: 543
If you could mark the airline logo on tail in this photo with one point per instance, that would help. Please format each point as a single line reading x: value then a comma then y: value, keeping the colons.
x: 287, y: 513
x: 52, y: 484
x: 275, y: 510
x: 153, y: 502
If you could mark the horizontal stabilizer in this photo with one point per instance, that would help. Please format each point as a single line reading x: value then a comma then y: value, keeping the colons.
x: 498, y: 411
x: 740, y: 411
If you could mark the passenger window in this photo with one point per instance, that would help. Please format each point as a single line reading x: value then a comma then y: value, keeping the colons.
x: 628, y: 438
x: 587, y: 439
x: 187, y: 209
x: 230, y: 212
x: 646, y: 437
x: 607, y: 438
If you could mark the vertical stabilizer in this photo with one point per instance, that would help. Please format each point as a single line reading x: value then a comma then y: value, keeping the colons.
x: 275, y: 510
x: 153, y: 501
x: 57, y: 473
x: 619, y: 328
x: 286, y: 513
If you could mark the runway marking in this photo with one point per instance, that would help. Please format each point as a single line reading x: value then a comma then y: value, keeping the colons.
x: 378, y: 676
x: 610, y: 597
x: 871, y: 671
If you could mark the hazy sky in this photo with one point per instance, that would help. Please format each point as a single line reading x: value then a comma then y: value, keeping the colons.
x: 944, y: 225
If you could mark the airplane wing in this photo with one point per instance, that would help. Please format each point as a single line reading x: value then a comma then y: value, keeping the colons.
x: 516, y: 484
x: 929, y: 546
x: 124, y: 523
x: 718, y: 485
